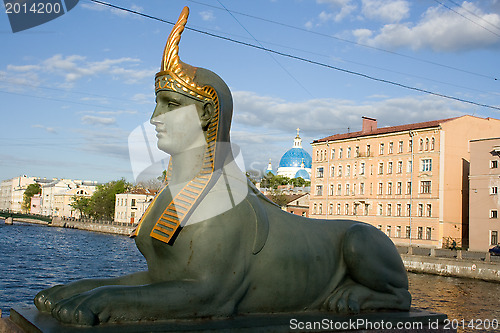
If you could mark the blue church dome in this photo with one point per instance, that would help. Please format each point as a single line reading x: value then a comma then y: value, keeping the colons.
x: 294, y: 158
x: 303, y: 174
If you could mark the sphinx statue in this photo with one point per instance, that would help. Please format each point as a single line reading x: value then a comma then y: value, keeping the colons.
x: 215, y: 246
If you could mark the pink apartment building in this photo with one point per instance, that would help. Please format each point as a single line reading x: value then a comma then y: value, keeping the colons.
x: 410, y: 181
x: 484, y: 203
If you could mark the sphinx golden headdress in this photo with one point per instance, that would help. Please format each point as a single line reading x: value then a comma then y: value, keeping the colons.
x: 174, y: 74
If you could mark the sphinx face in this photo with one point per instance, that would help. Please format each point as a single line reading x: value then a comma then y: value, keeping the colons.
x: 177, y: 122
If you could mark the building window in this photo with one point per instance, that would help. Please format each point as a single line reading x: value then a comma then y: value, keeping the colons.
x: 319, y: 190
x: 320, y: 209
x: 367, y: 206
x: 355, y: 209
x: 389, y: 188
x: 357, y: 151
x: 408, y: 209
x: 408, y: 188
x: 420, y: 211
x: 400, y: 167
x: 389, y: 209
x: 493, y: 214
x: 398, y: 210
x: 398, y: 231
x: 400, y: 147
x: 332, y: 171
x: 367, y: 150
x: 380, y: 168
x: 317, y: 155
x: 421, y: 146
x: 399, y: 188
x: 381, y: 149
x: 493, y: 237
x: 426, y: 143
x: 361, y: 188
x: 346, y: 209
x: 410, y: 166
x: 362, y: 169
x: 341, y: 151
x: 410, y: 145
x: 319, y: 172
x: 380, y: 188
x: 348, y: 171
x: 408, y: 232
x: 429, y: 210
x: 349, y: 152
x: 389, y: 167
x: 391, y: 147
x: 330, y: 209
x: 388, y: 231
x: 133, y: 203
x: 493, y: 164
x: 338, y: 209
x: 433, y: 141
x: 420, y: 233
x: 425, y: 186
x: 339, y: 189
x: 426, y: 164
x: 339, y: 171
x: 315, y: 207
x: 347, y: 189
x: 428, y: 233
x: 333, y: 154
x: 332, y: 189
x: 380, y: 210
x: 494, y: 190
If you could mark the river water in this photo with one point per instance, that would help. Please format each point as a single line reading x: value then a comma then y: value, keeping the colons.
x: 34, y: 257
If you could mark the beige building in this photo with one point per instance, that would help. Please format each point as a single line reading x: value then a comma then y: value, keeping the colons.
x: 410, y: 181
x: 12, y: 192
x: 484, y: 203
x: 130, y: 206
x: 57, y: 195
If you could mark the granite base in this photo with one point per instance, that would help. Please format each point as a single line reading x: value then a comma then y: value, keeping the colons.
x: 32, y: 321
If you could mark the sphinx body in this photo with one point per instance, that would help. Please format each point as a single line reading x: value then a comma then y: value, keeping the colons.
x: 216, y: 247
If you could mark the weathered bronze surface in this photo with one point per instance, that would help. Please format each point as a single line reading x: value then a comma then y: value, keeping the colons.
x: 215, y: 246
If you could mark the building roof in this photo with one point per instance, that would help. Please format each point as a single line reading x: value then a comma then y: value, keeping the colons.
x: 141, y: 191
x: 385, y: 130
x: 288, y: 197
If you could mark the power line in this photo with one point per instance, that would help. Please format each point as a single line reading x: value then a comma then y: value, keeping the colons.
x: 468, y: 19
x: 474, y: 14
x: 270, y: 54
x: 352, y: 42
x: 291, y: 56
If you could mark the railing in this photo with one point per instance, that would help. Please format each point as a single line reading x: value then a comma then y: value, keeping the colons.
x: 94, y: 221
x: 9, y: 213
x: 448, y: 253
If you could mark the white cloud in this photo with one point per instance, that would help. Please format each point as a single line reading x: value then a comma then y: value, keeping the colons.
x: 114, y: 11
x: 95, y: 120
x: 207, y: 15
x: 333, y: 14
x: 46, y: 128
x: 386, y: 11
x: 439, y: 29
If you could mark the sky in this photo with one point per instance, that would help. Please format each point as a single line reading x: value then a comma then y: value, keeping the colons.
x: 73, y: 90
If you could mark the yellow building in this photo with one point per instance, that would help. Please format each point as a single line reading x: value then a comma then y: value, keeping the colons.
x: 410, y: 181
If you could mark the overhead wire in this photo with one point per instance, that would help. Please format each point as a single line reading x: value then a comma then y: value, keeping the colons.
x: 465, y: 17
x: 351, y: 42
x: 291, y: 56
x: 474, y: 14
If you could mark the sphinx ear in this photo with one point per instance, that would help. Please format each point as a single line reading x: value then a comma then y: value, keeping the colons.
x: 206, y: 114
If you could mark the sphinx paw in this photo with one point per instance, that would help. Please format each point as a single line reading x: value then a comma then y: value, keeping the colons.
x: 77, y: 310
x: 46, y: 299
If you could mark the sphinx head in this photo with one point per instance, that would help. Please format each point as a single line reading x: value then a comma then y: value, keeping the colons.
x: 193, y: 105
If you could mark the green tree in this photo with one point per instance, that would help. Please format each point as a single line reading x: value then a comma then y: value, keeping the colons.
x: 102, y: 202
x: 31, y: 190
x: 278, y: 197
x: 300, y: 182
x: 276, y: 181
x: 83, y: 205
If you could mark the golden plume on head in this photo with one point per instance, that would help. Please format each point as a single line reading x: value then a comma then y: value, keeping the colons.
x: 174, y: 74
x: 170, y: 59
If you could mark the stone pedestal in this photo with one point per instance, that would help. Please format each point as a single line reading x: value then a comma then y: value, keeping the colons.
x: 31, y: 320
